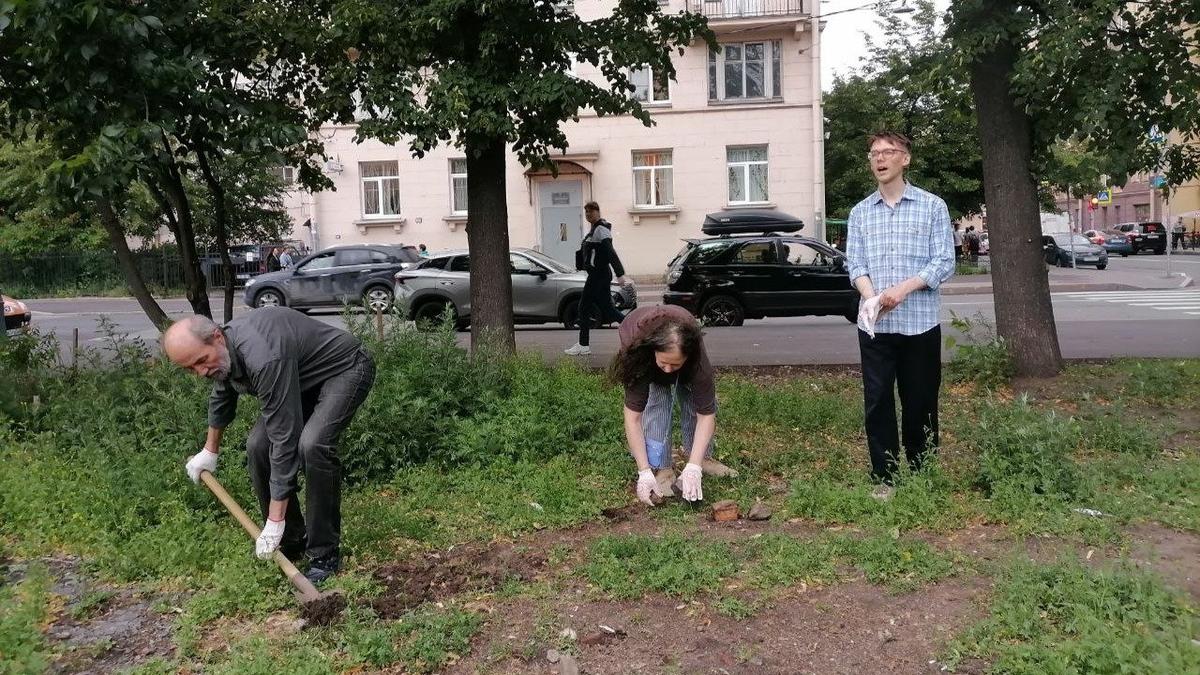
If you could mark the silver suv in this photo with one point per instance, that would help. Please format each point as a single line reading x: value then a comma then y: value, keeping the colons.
x: 544, y: 290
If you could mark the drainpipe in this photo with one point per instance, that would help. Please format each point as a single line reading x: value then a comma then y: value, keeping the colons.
x: 818, y: 124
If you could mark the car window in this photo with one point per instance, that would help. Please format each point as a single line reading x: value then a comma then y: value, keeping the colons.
x: 547, y: 261
x: 1151, y: 227
x: 755, y: 253
x: 799, y: 253
x: 707, y: 252
x: 461, y: 263
x: 434, y: 263
x: 520, y: 263
x: 321, y: 262
x: 353, y: 256
x: 1064, y: 240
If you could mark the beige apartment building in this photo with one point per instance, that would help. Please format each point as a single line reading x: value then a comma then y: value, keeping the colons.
x: 738, y: 129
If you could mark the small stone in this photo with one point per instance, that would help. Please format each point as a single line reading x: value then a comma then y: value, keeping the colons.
x: 552, y: 655
x: 597, y: 638
x: 725, y: 511
x: 759, y: 511
x: 567, y: 665
x: 568, y: 634
x: 885, y: 636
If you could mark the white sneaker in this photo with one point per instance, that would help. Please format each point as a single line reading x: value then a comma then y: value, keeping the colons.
x: 578, y: 350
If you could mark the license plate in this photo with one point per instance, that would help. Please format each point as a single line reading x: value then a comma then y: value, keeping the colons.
x: 1152, y: 236
x: 1090, y: 258
x: 243, y: 276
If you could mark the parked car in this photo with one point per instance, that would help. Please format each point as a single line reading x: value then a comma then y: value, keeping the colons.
x: 1096, y: 237
x: 1062, y: 248
x: 334, y: 277
x: 1117, y: 242
x: 16, y: 314
x: 544, y: 290
x: 1151, y: 236
x: 754, y: 266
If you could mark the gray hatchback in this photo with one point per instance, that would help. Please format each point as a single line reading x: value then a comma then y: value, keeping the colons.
x: 344, y: 275
x: 544, y: 290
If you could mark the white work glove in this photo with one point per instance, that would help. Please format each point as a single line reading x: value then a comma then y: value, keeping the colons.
x: 690, y: 481
x: 868, y: 313
x: 647, y: 486
x: 201, y: 461
x: 268, y: 539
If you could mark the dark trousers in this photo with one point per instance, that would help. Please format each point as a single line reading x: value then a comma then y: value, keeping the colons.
x: 914, y: 363
x: 596, y: 302
x: 327, y: 411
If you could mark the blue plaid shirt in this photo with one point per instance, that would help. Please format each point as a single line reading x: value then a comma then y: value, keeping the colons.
x: 890, y: 245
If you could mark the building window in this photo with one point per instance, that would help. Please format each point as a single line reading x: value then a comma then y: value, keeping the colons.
x: 747, y: 174
x: 380, y: 188
x: 745, y: 71
x: 1141, y: 212
x: 652, y: 178
x: 285, y: 174
x: 650, y: 86
x: 458, y: 186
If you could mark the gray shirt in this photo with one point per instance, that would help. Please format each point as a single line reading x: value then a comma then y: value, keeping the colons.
x: 276, y: 354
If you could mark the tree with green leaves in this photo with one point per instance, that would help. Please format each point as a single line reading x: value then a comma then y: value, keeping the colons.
x: 490, y: 78
x: 908, y: 83
x: 1100, y: 72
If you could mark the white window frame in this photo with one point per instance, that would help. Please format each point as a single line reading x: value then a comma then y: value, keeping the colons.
x: 653, y: 169
x: 650, y: 100
x: 380, y: 185
x: 454, y: 178
x: 744, y: 167
x: 286, y: 175
x: 772, y: 55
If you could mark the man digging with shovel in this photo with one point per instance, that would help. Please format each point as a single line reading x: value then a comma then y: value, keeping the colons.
x: 311, y: 378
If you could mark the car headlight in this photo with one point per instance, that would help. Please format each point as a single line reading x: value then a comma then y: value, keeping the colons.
x: 250, y: 282
x: 674, y: 276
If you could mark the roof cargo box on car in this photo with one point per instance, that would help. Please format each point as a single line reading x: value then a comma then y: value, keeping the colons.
x: 750, y: 222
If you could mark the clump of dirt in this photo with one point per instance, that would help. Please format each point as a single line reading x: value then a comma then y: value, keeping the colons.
x: 437, y: 576
x: 324, y: 610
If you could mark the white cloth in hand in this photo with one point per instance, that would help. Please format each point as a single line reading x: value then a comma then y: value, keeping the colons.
x: 868, y: 314
x: 201, y: 461
x: 690, y: 480
x: 268, y: 539
x: 647, y: 485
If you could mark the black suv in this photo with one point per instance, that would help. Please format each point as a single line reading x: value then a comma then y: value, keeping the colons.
x: 756, y: 267
x: 1145, y: 236
x: 334, y: 277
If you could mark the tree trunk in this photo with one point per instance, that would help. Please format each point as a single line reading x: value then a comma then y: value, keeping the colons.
x: 221, y: 213
x: 487, y: 239
x: 133, y: 277
x: 1024, y: 313
x: 194, y: 282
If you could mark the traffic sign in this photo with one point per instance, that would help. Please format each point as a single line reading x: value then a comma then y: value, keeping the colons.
x: 1104, y: 197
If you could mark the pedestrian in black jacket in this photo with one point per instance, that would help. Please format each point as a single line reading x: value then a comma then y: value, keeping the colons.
x: 601, y: 262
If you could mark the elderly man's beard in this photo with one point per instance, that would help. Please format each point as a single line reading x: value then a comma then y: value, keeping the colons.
x: 221, y: 372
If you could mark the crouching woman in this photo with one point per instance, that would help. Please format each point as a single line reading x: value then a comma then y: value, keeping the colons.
x: 662, y: 360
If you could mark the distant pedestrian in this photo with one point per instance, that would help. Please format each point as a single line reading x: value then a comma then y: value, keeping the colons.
x: 958, y: 242
x: 285, y: 259
x: 901, y: 248
x: 1177, y: 235
x: 273, y: 264
x: 973, y: 242
x: 598, y: 258
x: 422, y: 251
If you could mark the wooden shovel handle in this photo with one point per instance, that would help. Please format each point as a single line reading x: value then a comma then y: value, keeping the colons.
x: 303, y: 585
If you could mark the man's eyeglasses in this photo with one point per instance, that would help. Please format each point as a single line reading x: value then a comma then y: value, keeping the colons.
x: 886, y: 154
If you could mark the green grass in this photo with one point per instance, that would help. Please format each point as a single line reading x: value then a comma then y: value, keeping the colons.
x: 631, y: 566
x: 23, y: 607
x: 1063, y: 618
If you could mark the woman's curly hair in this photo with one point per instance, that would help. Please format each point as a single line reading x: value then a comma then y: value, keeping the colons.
x: 635, y: 364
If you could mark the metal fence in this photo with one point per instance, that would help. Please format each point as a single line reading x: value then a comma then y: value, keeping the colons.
x: 95, y: 272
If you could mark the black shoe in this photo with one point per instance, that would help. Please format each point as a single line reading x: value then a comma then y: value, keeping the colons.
x: 320, y: 569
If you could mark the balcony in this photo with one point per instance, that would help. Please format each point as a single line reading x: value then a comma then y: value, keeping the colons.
x: 748, y: 9
x: 737, y: 16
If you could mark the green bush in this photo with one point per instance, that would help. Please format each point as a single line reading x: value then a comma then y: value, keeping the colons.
x: 1025, y: 456
x: 23, y: 608
x: 984, y: 357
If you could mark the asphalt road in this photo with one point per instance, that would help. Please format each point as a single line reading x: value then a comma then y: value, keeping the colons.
x: 1154, y: 323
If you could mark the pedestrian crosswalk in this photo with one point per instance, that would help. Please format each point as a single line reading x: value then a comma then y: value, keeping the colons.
x: 1183, y: 301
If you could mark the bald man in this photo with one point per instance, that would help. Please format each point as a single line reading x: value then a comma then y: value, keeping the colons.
x: 310, y: 378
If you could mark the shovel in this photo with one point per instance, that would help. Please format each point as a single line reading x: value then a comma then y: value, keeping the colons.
x: 319, y: 608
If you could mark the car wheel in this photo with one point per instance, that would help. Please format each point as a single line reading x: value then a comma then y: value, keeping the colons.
x: 269, y: 298
x: 570, y: 315
x: 429, y: 315
x: 1124, y: 255
x: 722, y: 310
x: 1100, y: 267
x: 378, y: 299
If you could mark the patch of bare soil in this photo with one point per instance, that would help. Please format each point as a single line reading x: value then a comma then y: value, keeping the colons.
x: 440, y: 575
x: 96, y: 628
x: 1173, y: 555
x: 853, y: 628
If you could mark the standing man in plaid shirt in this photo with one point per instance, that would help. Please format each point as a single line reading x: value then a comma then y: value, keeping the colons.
x: 900, y: 246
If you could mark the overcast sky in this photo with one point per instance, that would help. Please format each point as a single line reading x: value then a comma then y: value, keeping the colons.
x: 842, y: 43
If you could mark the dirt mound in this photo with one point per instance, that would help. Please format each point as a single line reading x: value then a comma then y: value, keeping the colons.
x: 440, y: 575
